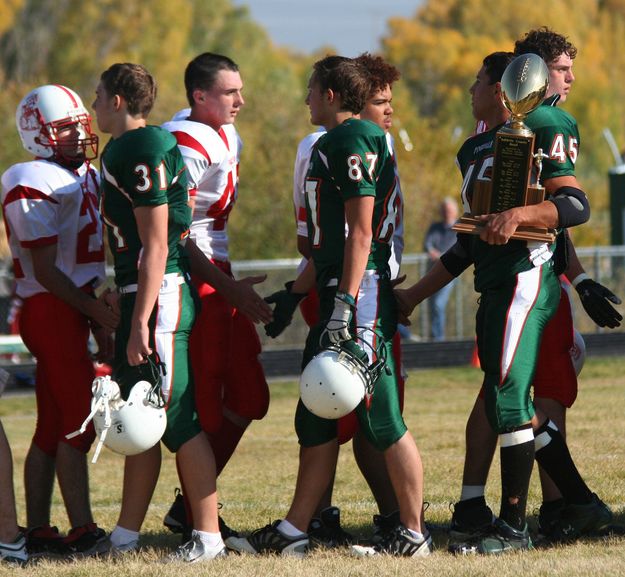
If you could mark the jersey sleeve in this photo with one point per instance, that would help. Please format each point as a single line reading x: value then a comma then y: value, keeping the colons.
x: 30, y: 208
x: 300, y: 169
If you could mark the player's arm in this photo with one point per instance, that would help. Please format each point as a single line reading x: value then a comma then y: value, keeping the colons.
x: 152, y: 230
x: 567, y: 207
x: 239, y: 293
x: 60, y: 285
x: 358, y: 215
x: 451, y: 264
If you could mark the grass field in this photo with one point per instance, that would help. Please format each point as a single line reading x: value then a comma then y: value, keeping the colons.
x: 257, y: 485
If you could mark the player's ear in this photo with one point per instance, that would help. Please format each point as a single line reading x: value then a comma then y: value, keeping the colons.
x: 198, y: 96
x: 330, y: 95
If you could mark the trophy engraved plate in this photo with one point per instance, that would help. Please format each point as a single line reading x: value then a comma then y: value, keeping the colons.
x: 511, y: 171
x: 524, y: 85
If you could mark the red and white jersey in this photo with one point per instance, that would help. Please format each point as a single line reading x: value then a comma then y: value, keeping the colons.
x: 47, y: 204
x: 212, y: 160
x: 302, y: 161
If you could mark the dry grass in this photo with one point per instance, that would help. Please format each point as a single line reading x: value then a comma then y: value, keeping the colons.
x: 257, y: 485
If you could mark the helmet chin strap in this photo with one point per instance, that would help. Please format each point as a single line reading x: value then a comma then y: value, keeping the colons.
x: 105, y: 392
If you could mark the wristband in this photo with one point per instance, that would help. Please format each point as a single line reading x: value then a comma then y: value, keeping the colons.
x: 346, y: 298
x: 579, y: 278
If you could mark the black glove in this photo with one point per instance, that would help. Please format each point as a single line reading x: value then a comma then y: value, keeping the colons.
x: 595, y: 297
x: 286, y: 302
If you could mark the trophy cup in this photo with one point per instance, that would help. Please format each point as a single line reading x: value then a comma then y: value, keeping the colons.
x: 524, y: 84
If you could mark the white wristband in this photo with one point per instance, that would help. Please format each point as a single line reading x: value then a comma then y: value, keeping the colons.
x: 579, y: 278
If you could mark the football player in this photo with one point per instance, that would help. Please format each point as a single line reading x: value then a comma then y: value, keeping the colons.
x: 55, y: 236
x: 351, y: 180
x: 230, y: 385
x: 524, y: 433
x: 144, y: 204
x: 325, y: 527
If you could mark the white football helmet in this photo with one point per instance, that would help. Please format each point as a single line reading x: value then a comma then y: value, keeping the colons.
x: 337, y: 379
x: 126, y: 427
x: 47, y: 110
x: 578, y: 351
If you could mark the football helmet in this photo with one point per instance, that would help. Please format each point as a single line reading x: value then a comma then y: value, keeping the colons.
x: 578, y: 351
x: 126, y: 427
x: 46, y: 111
x: 337, y: 379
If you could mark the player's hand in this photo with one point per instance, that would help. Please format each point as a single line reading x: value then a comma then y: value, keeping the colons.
x: 244, y: 298
x: 106, y: 345
x: 286, y: 302
x: 102, y: 313
x: 498, y: 227
x: 596, y: 301
x: 404, y: 306
x: 138, y: 348
x: 337, y: 328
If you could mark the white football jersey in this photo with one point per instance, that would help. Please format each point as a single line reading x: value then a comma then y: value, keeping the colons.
x: 46, y: 204
x: 302, y: 161
x: 212, y: 161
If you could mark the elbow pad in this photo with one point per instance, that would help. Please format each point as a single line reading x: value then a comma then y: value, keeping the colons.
x: 572, y: 206
x: 456, y: 260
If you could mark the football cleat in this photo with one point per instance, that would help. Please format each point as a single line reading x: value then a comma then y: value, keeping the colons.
x: 399, y: 542
x: 270, y: 539
x: 501, y: 539
x: 471, y: 519
x: 578, y: 520
x: 195, y: 551
x: 326, y: 531
x: 15, y: 552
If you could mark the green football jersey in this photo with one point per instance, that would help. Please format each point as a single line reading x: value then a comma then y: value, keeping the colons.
x: 556, y: 133
x: 143, y: 167
x: 350, y: 160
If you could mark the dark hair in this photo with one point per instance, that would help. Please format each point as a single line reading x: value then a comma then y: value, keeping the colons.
x: 382, y: 73
x: 346, y: 78
x: 202, y: 71
x: 495, y: 64
x: 549, y: 45
x: 134, y: 84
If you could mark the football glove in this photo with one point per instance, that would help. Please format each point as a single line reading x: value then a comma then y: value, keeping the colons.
x: 286, y: 302
x: 337, y: 329
x: 596, y: 301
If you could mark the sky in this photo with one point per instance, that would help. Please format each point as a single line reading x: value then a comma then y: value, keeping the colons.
x: 350, y: 26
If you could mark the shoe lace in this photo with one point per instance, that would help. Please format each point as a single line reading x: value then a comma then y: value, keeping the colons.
x: 184, y: 550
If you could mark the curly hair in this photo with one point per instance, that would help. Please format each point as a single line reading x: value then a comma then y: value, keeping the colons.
x: 549, y: 45
x: 382, y: 73
x: 134, y: 83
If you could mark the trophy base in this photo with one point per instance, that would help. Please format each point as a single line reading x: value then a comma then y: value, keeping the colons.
x: 470, y: 225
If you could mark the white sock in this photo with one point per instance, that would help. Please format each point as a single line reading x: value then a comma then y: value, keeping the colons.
x: 472, y: 491
x: 418, y: 536
x: 211, y: 540
x: 121, y: 537
x: 289, y: 529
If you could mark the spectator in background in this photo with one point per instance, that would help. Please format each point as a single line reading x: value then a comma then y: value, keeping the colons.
x: 438, y: 239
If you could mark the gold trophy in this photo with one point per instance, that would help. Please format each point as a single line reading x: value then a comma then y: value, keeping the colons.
x: 524, y: 84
